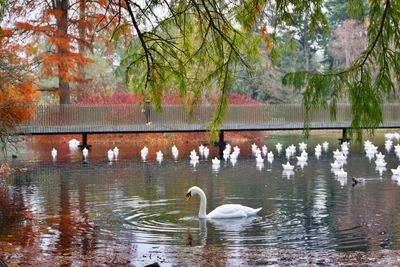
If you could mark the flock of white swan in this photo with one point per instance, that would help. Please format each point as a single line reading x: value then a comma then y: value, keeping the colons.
x: 262, y: 154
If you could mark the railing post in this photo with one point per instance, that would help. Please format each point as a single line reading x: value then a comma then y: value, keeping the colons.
x: 84, y: 142
x: 344, y: 136
x: 147, y: 106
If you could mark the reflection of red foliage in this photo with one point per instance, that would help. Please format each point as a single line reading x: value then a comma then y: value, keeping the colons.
x: 236, y: 99
x: 124, y: 97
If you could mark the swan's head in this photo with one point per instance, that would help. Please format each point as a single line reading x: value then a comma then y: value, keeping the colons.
x: 192, y: 191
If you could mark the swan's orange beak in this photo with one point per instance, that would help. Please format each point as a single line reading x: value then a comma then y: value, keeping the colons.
x: 188, y: 196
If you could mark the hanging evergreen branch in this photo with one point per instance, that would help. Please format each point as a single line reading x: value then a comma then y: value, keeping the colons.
x: 368, y: 81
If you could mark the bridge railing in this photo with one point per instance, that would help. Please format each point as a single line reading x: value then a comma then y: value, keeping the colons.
x: 112, y: 115
x: 56, y: 115
x: 248, y: 114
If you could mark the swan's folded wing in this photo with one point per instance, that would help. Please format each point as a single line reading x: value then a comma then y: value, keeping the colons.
x: 232, y: 211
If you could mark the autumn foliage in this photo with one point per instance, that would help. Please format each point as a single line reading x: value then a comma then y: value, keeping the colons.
x: 18, y: 93
x: 17, y: 103
x: 172, y: 98
x: 60, y: 35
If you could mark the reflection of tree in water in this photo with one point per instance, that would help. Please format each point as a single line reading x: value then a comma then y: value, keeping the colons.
x: 11, y: 209
x: 17, y: 221
x: 77, y: 232
x: 59, y: 223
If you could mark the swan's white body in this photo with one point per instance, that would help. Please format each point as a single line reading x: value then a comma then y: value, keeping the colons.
x: 396, y: 171
x: 201, y: 150
x: 302, y: 146
x: 278, y: 147
x: 341, y: 173
x: 54, y: 153
x: 144, y: 152
x: 288, y: 166
x: 325, y: 146
x: 206, y: 152
x: 301, y: 159
x: 73, y: 143
x: 193, y: 157
x: 215, y: 161
x: 85, y: 152
x: 116, y: 152
x: 336, y: 165
x: 159, y: 154
x: 380, y: 163
x: 222, y: 212
x: 259, y: 159
x: 110, y: 155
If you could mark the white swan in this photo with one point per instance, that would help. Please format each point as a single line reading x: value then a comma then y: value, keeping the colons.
x: 396, y: 171
x: 380, y: 163
x: 302, y: 146
x: 85, y: 152
x: 54, y: 153
x: 278, y: 147
x: 222, y: 212
x: 264, y: 150
x: 193, y: 157
x: 201, y: 150
x: 341, y: 173
x: 144, y: 152
x: 175, y: 152
x: 336, y: 165
x: 288, y: 166
x: 116, y: 152
x: 73, y: 143
x: 215, y: 161
x: 159, y: 154
x: 325, y: 146
x: 110, y: 155
x: 259, y: 159
x: 206, y: 152
x: 380, y: 156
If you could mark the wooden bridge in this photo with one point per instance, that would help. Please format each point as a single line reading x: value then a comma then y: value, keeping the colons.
x: 97, y: 119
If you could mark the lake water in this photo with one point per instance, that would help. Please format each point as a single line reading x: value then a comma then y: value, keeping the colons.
x: 67, y: 206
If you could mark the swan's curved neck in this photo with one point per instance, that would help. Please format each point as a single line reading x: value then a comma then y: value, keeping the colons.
x: 203, y: 204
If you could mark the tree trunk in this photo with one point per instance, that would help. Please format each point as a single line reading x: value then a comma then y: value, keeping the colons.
x: 62, y: 26
x: 81, y: 46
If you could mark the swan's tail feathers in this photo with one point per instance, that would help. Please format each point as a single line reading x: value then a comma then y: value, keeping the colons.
x: 256, y: 211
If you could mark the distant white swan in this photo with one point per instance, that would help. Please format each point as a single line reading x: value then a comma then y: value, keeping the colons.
x: 110, y: 155
x: 159, y: 154
x: 288, y: 166
x: 54, y: 152
x: 116, y: 152
x: 336, y: 165
x: 380, y: 163
x: 259, y: 159
x: 175, y: 152
x: 222, y: 212
x: 73, y: 143
x: 144, y: 152
x: 278, y: 147
x: 396, y: 171
x: 193, y: 157
x: 215, y: 161
x: 341, y: 173
x: 206, y: 152
x: 85, y: 152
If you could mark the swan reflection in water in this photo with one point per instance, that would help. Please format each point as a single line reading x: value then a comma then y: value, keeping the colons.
x: 227, y: 228
x: 287, y: 173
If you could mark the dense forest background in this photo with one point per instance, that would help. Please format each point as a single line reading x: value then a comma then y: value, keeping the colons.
x: 92, y: 59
